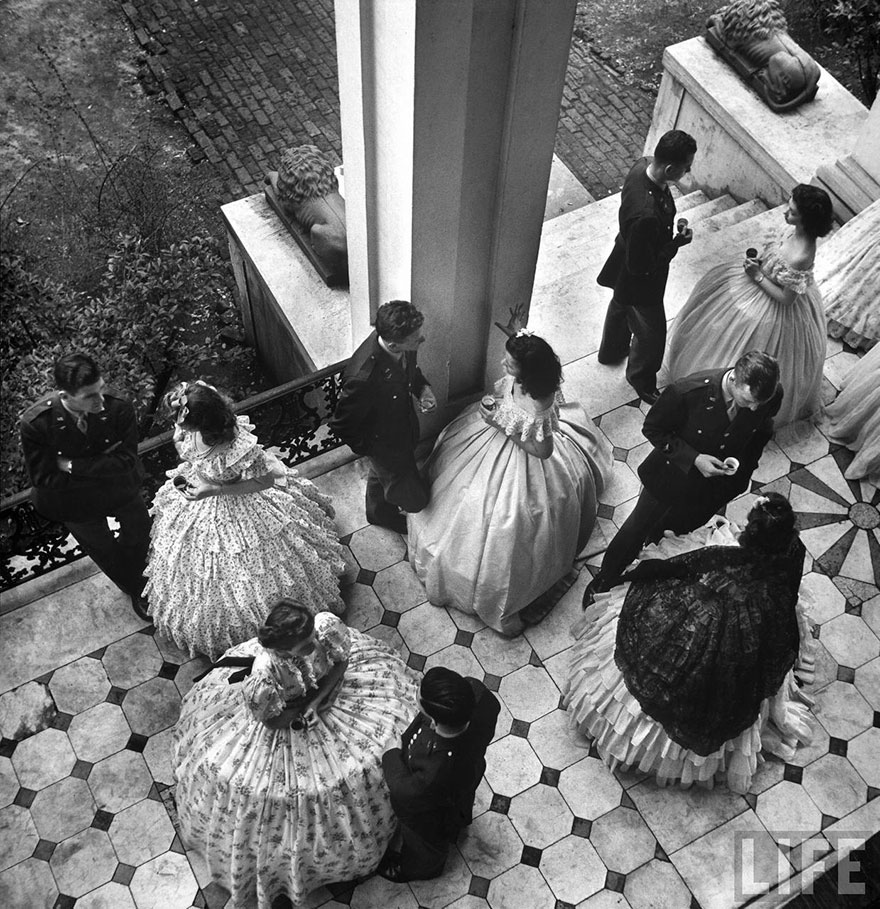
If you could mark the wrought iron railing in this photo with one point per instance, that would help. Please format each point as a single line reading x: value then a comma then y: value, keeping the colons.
x: 291, y: 419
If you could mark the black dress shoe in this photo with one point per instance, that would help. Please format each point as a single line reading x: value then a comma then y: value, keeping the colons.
x: 139, y: 605
x: 649, y: 397
x: 595, y: 586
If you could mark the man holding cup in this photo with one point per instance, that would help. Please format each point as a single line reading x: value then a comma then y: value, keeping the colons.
x: 708, y: 430
x: 376, y: 417
x: 638, y: 267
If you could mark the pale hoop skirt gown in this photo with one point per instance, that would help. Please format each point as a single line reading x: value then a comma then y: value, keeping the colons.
x: 503, y: 526
x: 728, y: 314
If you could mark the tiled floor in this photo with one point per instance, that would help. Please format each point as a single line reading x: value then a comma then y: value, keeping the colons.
x: 87, y: 815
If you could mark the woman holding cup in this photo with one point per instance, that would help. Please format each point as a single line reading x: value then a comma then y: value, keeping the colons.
x: 768, y: 302
x: 514, y: 484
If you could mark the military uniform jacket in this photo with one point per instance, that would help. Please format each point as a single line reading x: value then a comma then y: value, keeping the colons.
x: 690, y: 418
x: 375, y: 412
x: 638, y: 266
x: 432, y: 779
x: 106, y: 472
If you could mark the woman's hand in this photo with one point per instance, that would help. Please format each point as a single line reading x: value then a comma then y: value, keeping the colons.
x: 487, y: 414
x: 200, y: 490
x: 752, y: 268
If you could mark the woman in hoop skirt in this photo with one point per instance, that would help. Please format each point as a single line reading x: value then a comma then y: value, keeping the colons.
x: 769, y: 303
x: 233, y: 530
x: 687, y: 671
x: 279, y: 778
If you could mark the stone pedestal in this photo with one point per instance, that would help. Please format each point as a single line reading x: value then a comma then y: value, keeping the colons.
x: 744, y: 148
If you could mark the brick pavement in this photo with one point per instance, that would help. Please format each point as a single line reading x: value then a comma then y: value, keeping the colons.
x: 249, y: 79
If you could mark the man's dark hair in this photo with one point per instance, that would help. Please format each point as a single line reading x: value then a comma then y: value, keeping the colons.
x: 447, y: 697
x: 759, y: 372
x: 397, y: 320
x: 814, y: 207
x: 74, y: 371
x: 675, y: 147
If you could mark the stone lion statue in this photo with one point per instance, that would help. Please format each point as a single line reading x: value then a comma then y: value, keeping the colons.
x: 306, y: 190
x: 752, y: 36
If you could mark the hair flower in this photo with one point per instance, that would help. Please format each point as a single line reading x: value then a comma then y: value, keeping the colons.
x: 524, y: 333
x: 177, y: 399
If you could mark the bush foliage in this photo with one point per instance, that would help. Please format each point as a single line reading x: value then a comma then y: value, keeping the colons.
x: 150, y: 322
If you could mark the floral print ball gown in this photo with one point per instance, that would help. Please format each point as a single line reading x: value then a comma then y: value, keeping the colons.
x: 690, y: 677
x: 503, y: 526
x: 219, y: 564
x: 728, y: 314
x: 285, y: 811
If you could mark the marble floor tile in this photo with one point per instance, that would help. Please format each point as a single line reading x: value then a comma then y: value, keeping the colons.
x: 863, y: 753
x: 18, y: 835
x: 768, y: 774
x: 838, y: 366
x: 774, y: 463
x: 183, y: 678
x: 833, y: 784
x: 590, y: 788
x: 623, y: 427
x: 867, y: 681
x: 363, y: 609
x: 399, y: 589
x: 43, y: 759
x: 556, y: 742
x: 29, y: 883
x: 541, y: 816
x: 132, y: 660
x: 595, y: 386
x: 83, y: 862
x: 159, y: 756
x: 623, y: 840
x: 679, y: 816
x: 500, y: 655
x: 807, y: 852
x: 152, y: 706
x: 605, y: 899
x: 346, y: 485
x: 440, y: 892
x: 26, y: 710
x: 165, y: 882
x: 817, y: 747
x: 871, y: 614
x: 458, y: 658
x: 520, y: 886
x: 850, y: 641
x: 108, y: 896
x: 843, y: 711
x: 376, y: 548
x: 391, y: 636
x: 821, y: 598
x: 98, y: 732
x: 622, y: 485
x: 141, y: 832
x: 529, y: 693
x: 787, y: 811
x: 656, y: 885
x: 9, y: 784
x: 802, y: 442
x: 491, y: 845
x: 120, y: 780
x: 56, y: 630
x: 79, y: 685
x: 860, y: 824
x: 573, y: 869
x: 427, y: 629
x: 511, y: 765
x: 731, y: 863
x: 63, y: 809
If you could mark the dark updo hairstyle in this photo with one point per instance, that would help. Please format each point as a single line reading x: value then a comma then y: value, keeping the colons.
x: 447, y: 697
x: 206, y: 410
x: 397, y: 320
x: 814, y: 207
x: 287, y: 624
x: 540, y: 372
x: 74, y: 371
x: 771, y: 525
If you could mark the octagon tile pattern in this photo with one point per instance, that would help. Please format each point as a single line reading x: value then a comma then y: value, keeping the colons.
x: 87, y: 815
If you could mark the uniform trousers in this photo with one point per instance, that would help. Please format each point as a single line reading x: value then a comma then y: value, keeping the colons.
x: 394, y: 482
x: 637, y: 331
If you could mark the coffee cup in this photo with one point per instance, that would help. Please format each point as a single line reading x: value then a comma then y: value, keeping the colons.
x: 731, y: 465
x: 751, y: 253
x: 180, y: 482
x: 488, y: 402
x: 681, y: 225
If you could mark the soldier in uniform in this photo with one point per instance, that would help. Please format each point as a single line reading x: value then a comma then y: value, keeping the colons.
x: 433, y: 776
x: 80, y: 448
x: 638, y: 266
x: 699, y: 423
x: 375, y: 415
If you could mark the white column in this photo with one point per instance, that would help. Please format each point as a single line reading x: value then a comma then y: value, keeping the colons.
x: 449, y: 111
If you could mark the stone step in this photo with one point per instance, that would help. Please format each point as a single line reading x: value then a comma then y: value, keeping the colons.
x: 733, y: 215
x: 851, y: 188
x: 690, y: 200
x: 699, y: 213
